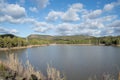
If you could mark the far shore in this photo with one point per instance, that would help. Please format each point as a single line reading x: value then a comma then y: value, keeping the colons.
x: 23, y: 47
x: 80, y: 44
x: 30, y: 46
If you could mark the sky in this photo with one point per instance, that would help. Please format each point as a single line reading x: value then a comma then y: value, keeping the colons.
x: 60, y: 17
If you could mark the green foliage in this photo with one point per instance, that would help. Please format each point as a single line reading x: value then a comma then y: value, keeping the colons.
x: 9, y: 41
x: 2, y: 67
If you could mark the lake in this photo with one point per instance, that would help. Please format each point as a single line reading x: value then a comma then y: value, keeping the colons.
x: 76, y: 62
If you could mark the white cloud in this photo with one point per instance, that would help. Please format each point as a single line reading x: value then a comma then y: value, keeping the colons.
x: 66, y: 28
x: 115, y: 23
x: 53, y: 15
x: 12, y: 13
x: 111, y: 6
x: 13, y: 10
x: 33, y: 9
x: 108, y: 7
x: 77, y: 6
x: 8, y: 31
x: 72, y: 14
x: 13, y: 31
x: 93, y: 14
x: 10, y: 19
x: 41, y: 30
x: 42, y: 27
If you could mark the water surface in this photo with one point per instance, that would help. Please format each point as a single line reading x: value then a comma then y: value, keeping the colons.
x: 76, y: 62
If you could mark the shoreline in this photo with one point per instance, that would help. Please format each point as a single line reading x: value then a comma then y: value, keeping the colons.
x: 30, y: 46
x: 23, y: 47
x: 79, y: 44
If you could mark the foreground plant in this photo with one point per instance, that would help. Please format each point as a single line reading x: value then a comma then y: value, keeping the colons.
x: 12, y: 69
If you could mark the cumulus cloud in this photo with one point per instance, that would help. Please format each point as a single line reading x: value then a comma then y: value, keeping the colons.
x: 66, y: 28
x: 42, y: 27
x: 10, y: 19
x: 85, y: 28
x: 111, y: 6
x: 76, y: 6
x: 92, y: 14
x: 8, y: 31
x: 14, y: 13
x: 116, y: 23
x: 33, y: 9
x: 13, y: 10
x: 72, y: 14
x: 95, y: 14
x: 13, y: 31
x: 53, y: 15
x: 92, y: 27
x: 108, y: 7
x: 41, y: 30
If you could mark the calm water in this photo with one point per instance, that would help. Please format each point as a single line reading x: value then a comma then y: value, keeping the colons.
x: 76, y: 62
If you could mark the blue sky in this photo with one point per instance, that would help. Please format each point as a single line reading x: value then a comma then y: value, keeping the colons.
x: 60, y: 17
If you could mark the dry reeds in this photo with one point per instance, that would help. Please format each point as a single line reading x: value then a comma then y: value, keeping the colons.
x: 28, y: 72
x: 54, y: 74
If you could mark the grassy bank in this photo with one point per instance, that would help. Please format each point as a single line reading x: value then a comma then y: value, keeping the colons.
x: 12, y: 69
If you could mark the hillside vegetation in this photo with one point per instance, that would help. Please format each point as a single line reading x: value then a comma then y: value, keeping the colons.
x: 9, y: 40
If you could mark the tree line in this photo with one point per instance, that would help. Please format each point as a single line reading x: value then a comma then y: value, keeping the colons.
x: 8, y: 42
x: 94, y: 40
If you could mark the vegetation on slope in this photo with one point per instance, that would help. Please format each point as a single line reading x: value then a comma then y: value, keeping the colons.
x: 8, y: 40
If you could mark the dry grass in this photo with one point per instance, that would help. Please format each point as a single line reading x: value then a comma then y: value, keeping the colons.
x: 28, y: 72
x: 106, y: 76
x: 54, y: 74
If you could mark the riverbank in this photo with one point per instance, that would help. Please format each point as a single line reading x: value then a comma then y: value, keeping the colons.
x: 80, y: 44
x: 30, y: 46
x: 23, y: 47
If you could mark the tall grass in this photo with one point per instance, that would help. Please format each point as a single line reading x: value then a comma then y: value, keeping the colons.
x: 27, y: 72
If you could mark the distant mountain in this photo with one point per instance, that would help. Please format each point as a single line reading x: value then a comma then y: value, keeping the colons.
x: 7, y: 35
x: 48, y: 37
x: 73, y: 37
x: 37, y: 36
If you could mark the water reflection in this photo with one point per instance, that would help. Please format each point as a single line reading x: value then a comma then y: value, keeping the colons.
x: 76, y: 62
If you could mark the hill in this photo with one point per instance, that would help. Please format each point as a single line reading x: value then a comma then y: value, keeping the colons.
x: 48, y: 37
x: 73, y: 37
x: 42, y: 37
x: 7, y: 35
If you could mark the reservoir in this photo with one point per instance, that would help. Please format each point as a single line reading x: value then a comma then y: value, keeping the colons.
x: 74, y: 61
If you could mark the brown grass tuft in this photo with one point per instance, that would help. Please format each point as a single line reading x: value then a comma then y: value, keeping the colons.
x: 28, y: 72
